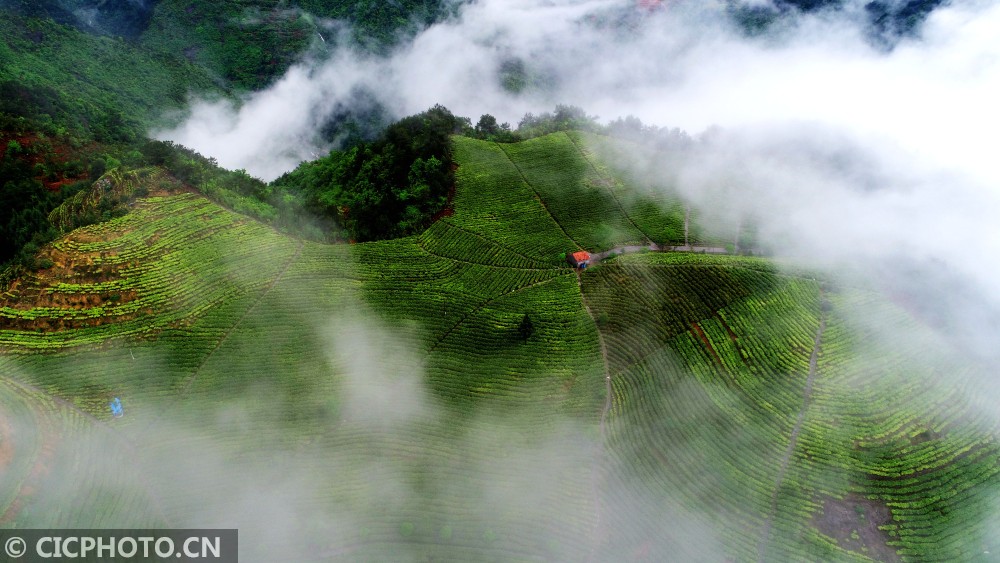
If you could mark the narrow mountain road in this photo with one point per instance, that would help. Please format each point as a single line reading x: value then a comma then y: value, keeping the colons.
x: 631, y: 249
x: 793, y: 439
x: 599, y: 452
x: 653, y: 247
x: 697, y: 249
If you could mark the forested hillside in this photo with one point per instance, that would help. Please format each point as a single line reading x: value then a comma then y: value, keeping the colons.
x: 82, y: 83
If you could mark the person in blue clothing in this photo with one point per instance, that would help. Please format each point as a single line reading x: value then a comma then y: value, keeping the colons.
x: 116, y: 408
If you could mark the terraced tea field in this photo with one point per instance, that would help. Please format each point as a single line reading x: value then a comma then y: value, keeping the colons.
x: 382, y: 401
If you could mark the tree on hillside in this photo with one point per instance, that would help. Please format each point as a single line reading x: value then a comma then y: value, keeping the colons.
x: 487, y: 126
x: 527, y: 328
x: 565, y: 118
x: 386, y: 188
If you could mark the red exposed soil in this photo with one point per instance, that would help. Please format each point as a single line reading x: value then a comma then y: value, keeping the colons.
x: 51, y: 152
x: 446, y: 212
x: 6, y: 443
x: 854, y: 522
x: 40, y: 469
x: 39, y: 289
x: 708, y: 345
x: 734, y: 338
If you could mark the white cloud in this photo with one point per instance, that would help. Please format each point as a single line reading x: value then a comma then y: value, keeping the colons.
x: 916, y: 122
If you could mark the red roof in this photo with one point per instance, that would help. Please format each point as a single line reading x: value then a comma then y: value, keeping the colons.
x: 581, y: 256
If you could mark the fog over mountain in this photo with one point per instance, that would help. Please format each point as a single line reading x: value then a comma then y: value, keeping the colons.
x: 867, y: 161
x: 860, y: 150
x: 851, y: 150
x: 686, y: 64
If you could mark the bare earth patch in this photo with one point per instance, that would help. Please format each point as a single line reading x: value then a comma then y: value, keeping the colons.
x: 42, y: 289
x: 854, y: 522
x: 6, y: 443
x: 39, y: 470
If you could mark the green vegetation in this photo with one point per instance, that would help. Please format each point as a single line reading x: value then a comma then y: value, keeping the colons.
x: 747, y: 405
x: 107, y: 198
x: 440, y: 385
x: 717, y: 405
x: 253, y: 42
x: 200, y: 286
x: 24, y: 205
x: 93, y: 87
x: 246, y: 44
x: 127, y: 19
x: 552, y: 165
x: 384, y: 189
x: 72, y: 105
x: 91, y: 78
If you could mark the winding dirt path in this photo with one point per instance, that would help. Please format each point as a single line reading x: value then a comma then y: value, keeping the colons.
x: 260, y: 298
x: 793, y: 440
x: 599, y: 452
x: 596, y: 257
x: 605, y: 178
x: 629, y: 249
x: 538, y: 196
x: 697, y: 249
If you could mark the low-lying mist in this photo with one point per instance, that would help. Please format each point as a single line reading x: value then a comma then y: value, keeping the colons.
x: 872, y: 165
x: 393, y: 474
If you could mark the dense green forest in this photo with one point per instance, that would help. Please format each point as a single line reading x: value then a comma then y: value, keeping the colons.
x: 386, y: 188
x: 249, y: 43
x: 674, y: 401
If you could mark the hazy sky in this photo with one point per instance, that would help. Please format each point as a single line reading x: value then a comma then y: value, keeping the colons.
x: 683, y: 65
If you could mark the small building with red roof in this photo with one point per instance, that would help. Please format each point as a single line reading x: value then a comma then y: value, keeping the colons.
x: 579, y: 259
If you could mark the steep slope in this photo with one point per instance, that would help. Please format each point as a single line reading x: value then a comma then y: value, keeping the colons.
x: 251, y: 43
x: 127, y: 19
x: 92, y: 86
x: 381, y: 400
x: 763, y: 410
